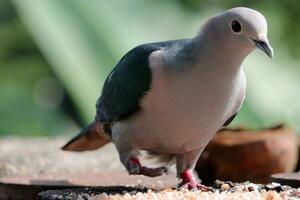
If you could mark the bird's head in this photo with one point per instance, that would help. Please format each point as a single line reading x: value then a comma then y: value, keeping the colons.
x: 242, y: 27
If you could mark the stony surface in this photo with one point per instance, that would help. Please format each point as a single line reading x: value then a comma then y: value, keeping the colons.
x: 27, y: 187
x: 28, y: 166
x: 25, y: 157
x: 89, y: 179
x: 32, y: 156
x: 21, y: 156
x: 221, y: 190
x: 194, y: 195
x: 291, y: 179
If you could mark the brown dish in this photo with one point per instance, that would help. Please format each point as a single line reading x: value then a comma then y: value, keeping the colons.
x: 249, y: 155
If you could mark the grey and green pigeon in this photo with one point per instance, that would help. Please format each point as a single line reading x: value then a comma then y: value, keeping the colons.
x: 170, y: 98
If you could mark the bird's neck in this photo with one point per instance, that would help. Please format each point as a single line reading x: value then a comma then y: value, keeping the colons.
x: 209, y: 50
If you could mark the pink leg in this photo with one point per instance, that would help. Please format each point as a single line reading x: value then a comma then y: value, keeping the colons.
x: 134, y: 167
x: 189, y: 182
x: 185, y: 164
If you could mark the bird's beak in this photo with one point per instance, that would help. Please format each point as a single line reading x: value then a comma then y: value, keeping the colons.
x: 265, y: 46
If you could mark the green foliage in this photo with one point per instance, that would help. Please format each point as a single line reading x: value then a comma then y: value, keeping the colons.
x: 22, y: 69
x: 83, y: 39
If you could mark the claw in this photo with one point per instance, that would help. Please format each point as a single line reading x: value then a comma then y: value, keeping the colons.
x: 134, y: 167
x: 194, y: 186
x: 190, y: 183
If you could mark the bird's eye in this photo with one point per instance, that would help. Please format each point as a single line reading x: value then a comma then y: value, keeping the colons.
x: 236, y: 26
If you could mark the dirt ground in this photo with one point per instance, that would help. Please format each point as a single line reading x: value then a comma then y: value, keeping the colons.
x: 19, y: 156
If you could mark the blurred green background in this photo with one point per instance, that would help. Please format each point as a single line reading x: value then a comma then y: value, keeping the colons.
x: 55, y: 54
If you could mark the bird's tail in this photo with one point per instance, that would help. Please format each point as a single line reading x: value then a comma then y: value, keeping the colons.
x: 90, y: 138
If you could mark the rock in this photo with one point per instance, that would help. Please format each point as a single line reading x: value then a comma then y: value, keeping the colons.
x: 226, y: 190
x: 243, y: 155
x: 291, y: 179
x: 85, y: 193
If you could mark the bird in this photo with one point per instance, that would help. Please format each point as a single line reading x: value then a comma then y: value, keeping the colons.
x: 170, y: 98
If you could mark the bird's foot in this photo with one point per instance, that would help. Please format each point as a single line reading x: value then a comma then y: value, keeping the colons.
x: 193, y: 186
x: 189, y: 182
x: 134, y: 167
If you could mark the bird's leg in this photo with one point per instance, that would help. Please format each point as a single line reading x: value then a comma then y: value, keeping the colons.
x: 129, y: 157
x: 189, y: 182
x: 185, y: 164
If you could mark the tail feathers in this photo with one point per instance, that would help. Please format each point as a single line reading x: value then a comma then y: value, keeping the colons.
x: 90, y: 138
